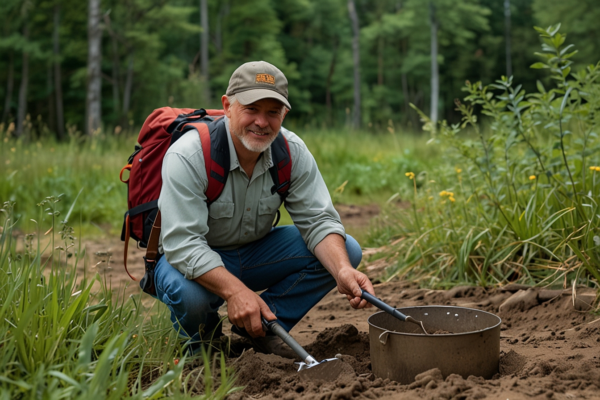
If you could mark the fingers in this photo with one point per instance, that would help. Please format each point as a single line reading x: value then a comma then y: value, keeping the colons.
x: 254, y: 326
x: 266, y: 312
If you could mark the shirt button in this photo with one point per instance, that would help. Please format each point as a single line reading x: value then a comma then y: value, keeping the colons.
x: 248, y: 209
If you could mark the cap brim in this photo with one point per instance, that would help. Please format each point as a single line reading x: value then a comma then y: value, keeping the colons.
x: 253, y: 95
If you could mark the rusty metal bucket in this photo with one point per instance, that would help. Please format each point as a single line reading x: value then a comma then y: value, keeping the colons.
x: 400, y: 350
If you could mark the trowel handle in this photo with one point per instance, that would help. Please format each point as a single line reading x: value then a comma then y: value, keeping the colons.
x: 277, y: 329
x: 381, y: 305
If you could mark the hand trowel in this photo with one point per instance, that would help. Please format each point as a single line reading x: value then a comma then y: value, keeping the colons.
x: 328, y: 369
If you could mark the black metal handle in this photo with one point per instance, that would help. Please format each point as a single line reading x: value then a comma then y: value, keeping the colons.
x: 277, y: 329
x: 381, y: 305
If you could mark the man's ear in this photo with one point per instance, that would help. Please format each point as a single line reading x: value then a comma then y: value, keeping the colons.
x: 285, y: 111
x: 226, y: 106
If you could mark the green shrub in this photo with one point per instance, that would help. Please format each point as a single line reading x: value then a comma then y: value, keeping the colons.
x: 517, y: 200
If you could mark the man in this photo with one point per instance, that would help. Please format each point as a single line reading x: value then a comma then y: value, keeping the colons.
x: 228, y: 251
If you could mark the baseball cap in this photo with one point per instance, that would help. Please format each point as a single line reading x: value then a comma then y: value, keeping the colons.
x: 257, y: 80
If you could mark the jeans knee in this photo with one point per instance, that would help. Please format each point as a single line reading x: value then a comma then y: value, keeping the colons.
x: 354, y: 251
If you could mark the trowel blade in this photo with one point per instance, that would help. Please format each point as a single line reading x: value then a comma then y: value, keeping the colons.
x: 326, y: 370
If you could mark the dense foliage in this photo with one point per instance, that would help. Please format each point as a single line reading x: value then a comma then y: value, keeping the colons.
x: 151, y: 54
x: 520, y: 202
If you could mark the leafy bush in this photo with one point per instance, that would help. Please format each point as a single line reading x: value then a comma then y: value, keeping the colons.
x: 518, y: 199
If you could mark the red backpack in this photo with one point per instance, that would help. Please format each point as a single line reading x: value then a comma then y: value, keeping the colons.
x: 160, y: 130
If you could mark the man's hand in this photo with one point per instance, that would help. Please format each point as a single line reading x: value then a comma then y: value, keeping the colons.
x: 350, y: 282
x: 244, y: 309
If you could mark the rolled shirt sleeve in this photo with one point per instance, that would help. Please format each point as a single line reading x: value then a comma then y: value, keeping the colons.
x: 189, y: 229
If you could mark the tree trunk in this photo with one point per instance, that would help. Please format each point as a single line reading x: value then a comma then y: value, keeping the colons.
x: 507, y: 37
x: 356, y: 118
x: 116, y: 75
x: 380, y: 49
x: 60, y: 117
x: 328, y: 83
x: 22, y: 105
x: 94, y: 81
x: 128, y: 87
x: 51, y: 117
x: 223, y: 11
x: 10, y: 82
x: 435, y: 78
x: 204, y: 49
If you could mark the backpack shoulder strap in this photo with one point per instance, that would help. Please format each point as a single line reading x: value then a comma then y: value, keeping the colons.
x: 215, y: 148
x: 281, y: 171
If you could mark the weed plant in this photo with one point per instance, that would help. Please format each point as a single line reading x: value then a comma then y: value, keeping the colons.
x: 518, y: 200
x: 60, y: 340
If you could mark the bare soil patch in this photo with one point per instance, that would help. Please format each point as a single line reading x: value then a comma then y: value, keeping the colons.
x: 550, y: 341
x: 550, y: 349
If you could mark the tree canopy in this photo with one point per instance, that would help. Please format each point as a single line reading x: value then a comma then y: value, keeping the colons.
x: 151, y: 55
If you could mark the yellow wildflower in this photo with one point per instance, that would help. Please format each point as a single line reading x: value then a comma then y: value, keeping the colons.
x: 452, y: 199
x: 532, y: 177
x: 410, y: 175
x: 458, y: 170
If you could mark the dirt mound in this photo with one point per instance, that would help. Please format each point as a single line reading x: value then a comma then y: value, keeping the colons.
x: 549, y: 350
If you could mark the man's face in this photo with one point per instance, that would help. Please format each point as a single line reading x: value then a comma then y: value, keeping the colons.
x: 255, y: 125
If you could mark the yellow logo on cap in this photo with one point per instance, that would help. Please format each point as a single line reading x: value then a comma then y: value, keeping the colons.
x: 265, y: 78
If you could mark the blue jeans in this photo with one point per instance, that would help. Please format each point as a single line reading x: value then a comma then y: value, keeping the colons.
x: 280, y: 263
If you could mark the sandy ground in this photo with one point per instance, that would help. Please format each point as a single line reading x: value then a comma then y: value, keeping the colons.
x: 549, y: 349
x: 549, y: 343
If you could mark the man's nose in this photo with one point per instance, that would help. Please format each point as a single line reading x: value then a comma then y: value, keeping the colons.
x: 261, y: 120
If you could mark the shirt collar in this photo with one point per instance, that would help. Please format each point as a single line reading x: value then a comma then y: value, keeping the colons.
x: 264, y: 162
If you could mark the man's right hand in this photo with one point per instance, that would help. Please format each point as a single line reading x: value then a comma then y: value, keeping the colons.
x: 244, y: 309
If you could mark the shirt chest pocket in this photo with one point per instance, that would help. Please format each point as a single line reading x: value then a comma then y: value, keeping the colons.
x: 267, y: 208
x: 220, y: 217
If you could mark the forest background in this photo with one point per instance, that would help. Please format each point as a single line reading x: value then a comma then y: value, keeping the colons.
x: 352, y: 63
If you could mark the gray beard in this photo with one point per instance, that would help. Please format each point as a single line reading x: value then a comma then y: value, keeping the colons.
x: 254, y: 148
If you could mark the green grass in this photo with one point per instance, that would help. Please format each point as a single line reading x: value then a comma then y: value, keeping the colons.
x: 371, y: 165
x: 515, y: 201
x: 59, y: 339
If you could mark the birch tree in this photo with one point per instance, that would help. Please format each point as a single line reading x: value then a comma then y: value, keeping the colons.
x: 93, y: 112
x: 356, y: 117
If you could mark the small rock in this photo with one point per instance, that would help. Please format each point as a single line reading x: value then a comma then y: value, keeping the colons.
x: 514, y: 287
x: 522, y: 300
x: 547, y: 295
x: 458, y: 291
x: 584, y: 302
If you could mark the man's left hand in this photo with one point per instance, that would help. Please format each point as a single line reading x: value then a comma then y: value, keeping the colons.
x: 350, y: 282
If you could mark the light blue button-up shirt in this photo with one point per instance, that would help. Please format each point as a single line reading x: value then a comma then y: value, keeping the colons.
x: 245, y: 210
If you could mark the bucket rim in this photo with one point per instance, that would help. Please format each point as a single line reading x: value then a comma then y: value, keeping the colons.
x: 403, y: 310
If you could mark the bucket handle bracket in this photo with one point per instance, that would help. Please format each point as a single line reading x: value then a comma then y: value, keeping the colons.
x: 384, y: 337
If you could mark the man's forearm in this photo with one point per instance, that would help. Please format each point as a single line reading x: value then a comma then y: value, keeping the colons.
x: 331, y: 252
x: 221, y: 282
